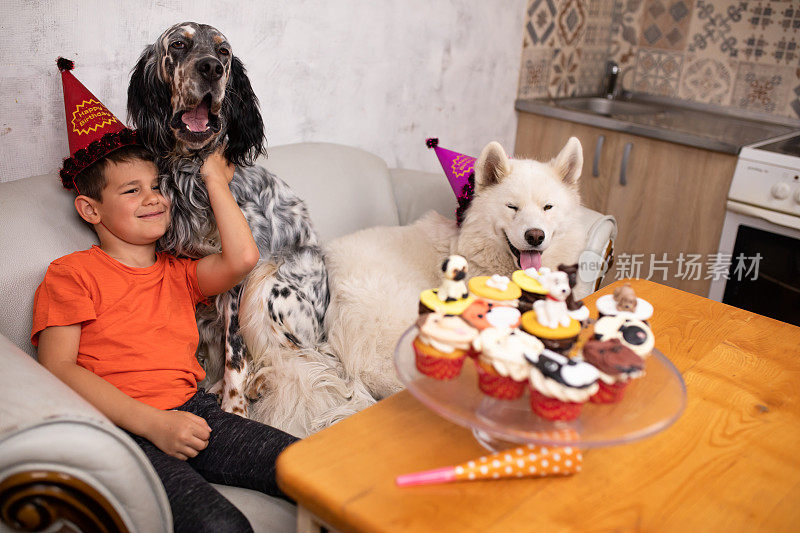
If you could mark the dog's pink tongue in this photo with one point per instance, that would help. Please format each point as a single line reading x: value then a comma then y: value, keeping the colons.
x: 197, y: 118
x: 530, y: 260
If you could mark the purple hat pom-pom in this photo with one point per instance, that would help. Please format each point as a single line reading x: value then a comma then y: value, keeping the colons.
x: 433, y: 142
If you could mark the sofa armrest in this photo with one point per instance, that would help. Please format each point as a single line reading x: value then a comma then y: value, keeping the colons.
x: 598, y: 255
x: 60, y: 458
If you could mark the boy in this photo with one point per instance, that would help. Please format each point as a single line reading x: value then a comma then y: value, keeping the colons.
x: 116, y: 323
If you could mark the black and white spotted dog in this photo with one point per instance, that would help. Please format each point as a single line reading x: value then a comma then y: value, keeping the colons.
x: 187, y: 95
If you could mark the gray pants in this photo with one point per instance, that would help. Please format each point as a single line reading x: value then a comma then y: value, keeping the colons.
x: 240, y: 453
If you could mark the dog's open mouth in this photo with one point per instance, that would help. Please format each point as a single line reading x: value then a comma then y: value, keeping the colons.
x: 526, y: 258
x: 197, y: 124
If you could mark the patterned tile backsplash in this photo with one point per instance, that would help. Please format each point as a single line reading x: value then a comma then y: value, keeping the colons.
x: 738, y: 53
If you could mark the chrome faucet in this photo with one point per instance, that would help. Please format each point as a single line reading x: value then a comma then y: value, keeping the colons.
x: 612, y: 71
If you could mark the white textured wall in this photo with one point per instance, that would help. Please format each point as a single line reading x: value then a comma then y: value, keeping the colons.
x: 378, y: 74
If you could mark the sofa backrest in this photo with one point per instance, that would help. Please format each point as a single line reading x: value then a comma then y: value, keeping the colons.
x: 345, y: 188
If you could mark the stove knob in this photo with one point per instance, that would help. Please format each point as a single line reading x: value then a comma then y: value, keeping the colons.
x: 780, y: 191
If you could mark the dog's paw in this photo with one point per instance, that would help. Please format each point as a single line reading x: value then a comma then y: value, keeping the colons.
x: 255, y: 389
x: 234, y: 402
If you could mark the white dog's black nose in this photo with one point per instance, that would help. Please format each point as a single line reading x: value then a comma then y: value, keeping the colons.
x: 210, y: 69
x: 534, y: 236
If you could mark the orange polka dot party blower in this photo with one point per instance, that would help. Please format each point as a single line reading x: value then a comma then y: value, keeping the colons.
x: 526, y: 461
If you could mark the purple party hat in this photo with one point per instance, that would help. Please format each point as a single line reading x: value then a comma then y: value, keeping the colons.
x: 457, y: 167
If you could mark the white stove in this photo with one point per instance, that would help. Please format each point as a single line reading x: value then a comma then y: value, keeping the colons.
x: 763, y: 223
x: 767, y: 177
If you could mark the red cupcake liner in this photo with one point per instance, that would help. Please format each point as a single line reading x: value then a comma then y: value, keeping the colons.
x: 493, y: 384
x: 609, y: 393
x: 553, y: 409
x: 438, y: 367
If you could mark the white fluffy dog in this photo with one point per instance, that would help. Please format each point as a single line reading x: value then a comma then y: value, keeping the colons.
x: 552, y: 311
x: 454, y: 282
x: 522, y: 215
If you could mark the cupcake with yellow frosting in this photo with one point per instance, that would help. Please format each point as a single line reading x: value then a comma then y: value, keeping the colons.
x: 560, y: 339
x: 496, y: 289
x: 442, y: 345
x: 452, y: 296
x: 530, y: 287
x: 429, y: 302
x: 502, y: 364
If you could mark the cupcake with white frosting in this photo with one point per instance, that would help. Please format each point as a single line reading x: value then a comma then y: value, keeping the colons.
x: 503, y: 368
x: 633, y: 333
x: 559, y: 385
x: 442, y: 345
x: 617, y: 366
x: 624, y: 300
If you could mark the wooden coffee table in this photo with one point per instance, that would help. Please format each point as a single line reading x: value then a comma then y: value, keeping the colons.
x: 731, y: 463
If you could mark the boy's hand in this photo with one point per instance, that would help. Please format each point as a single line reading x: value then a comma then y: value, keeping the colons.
x: 179, y: 434
x: 217, y: 168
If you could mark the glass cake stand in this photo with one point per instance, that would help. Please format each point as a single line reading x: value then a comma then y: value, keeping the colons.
x: 650, y: 405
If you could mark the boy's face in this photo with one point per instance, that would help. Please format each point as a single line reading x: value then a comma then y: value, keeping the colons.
x: 132, y: 206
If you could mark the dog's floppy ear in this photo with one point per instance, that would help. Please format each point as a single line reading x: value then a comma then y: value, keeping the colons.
x: 569, y: 162
x: 149, y: 108
x: 245, y: 128
x: 491, y: 166
x: 444, y: 265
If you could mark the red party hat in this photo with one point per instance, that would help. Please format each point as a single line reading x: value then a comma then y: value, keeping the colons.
x: 458, y: 168
x: 92, y: 129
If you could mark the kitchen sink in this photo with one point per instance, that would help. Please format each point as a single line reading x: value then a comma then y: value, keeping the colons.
x: 607, y: 107
x: 679, y: 121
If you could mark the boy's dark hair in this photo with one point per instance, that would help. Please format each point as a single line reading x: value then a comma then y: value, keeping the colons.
x: 91, y: 180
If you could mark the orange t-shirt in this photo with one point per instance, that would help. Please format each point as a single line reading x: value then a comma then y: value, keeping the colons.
x: 138, y: 328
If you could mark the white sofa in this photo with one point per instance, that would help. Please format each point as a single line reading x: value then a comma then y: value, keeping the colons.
x: 59, y: 456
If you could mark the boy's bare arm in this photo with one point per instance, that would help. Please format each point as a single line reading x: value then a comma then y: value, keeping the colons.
x: 176, y: 433
x: 217, y: 273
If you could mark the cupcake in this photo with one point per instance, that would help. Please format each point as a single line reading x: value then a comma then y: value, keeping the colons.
x: 559, y: 386
x: 496, y: 289
x: 503, y: 368
x: 482, y: 314
x: 624, y: 300
x: 616, y: 364
x: 530, y: 287
x: 631, y: 332
x: 452, y: 296
x: 442, y: 345
x: 560, y: 339
x: 429, y: 302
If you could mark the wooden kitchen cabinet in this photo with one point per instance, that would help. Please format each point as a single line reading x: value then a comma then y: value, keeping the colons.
x: 672, y: 200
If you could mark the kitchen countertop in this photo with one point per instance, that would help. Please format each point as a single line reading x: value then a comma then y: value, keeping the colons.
x: 699, y: 125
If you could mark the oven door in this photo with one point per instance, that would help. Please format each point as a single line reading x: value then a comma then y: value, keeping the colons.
x: 767, y: 279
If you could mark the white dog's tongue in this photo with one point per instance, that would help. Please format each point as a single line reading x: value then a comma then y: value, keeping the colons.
x: 530, y: 259
x: 197, y: 118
